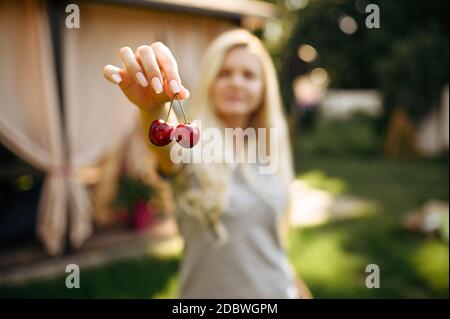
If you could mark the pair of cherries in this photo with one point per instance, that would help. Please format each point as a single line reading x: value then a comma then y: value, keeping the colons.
x: 186, y: 134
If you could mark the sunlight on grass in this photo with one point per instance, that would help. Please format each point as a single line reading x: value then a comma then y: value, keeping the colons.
x: 431, y: 262
x: 166, y: 250
x: 346, y: 207
x: 318, y: 179
x: 312, y: 206
x: 324, y: 263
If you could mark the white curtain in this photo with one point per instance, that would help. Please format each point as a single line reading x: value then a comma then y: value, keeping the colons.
x: 30, y: 117
x: 97, y: 115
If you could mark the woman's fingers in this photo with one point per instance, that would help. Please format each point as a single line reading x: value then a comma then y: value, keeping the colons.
x: 118, y: 76
x: 132, y: 66
x: 184, y: 94
x: 150, y: 66
x: 112, y: 74
x: 169, y: 67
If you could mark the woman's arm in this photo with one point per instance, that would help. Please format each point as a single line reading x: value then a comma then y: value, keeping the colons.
x: 149, y: 78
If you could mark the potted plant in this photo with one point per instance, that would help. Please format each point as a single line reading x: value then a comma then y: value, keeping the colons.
x: 134, y: 197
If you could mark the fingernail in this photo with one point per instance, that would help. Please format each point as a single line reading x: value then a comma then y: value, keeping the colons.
x: 116, y: 78
x: 141, y: 79
x: 157, y: 86
x: 174, y: 87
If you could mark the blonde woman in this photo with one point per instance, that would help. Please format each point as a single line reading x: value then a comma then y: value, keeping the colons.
x: 231, y: 216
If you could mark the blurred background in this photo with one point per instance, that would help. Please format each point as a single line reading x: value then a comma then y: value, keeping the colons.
x: 365, y: 89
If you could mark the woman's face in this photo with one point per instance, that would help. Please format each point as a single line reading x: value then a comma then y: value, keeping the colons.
x: 238, y: 89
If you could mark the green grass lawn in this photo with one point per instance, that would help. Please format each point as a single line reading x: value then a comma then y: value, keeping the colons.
x: 331, y: 258
x: 145, y: 277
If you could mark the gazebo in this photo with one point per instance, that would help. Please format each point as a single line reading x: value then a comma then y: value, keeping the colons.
x: 60, y: 115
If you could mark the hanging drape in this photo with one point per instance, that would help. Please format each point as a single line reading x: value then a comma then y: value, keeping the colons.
x: 97, y: 116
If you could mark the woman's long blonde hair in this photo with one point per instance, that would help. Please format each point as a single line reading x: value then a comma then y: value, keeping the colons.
x: 202, y: 190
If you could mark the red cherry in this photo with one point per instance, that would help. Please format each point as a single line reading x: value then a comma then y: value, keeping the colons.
x: 187, y: 134
x: 160, y: 133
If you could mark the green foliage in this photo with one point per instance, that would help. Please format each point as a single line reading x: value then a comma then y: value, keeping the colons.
x: 131, y: 191
x: 413, y: 74
x: 407, y: 57
x: 356, y: 137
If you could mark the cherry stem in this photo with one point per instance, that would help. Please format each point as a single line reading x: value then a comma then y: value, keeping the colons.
x: 181, y: 107
x: 168, y: 113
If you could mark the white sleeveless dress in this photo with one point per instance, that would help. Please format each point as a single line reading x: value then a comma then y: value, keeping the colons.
x: 251, y: 263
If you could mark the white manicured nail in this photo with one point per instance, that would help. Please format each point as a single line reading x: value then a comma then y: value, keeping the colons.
x: 174, y: 87
x: 157, y: 86
x: 116, y: 78
x: 141, y: 79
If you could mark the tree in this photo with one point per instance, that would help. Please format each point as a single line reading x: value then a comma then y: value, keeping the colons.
x: 406, y: 58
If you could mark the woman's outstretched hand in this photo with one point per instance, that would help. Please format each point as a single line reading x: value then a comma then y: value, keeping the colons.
x: 149, y: 76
